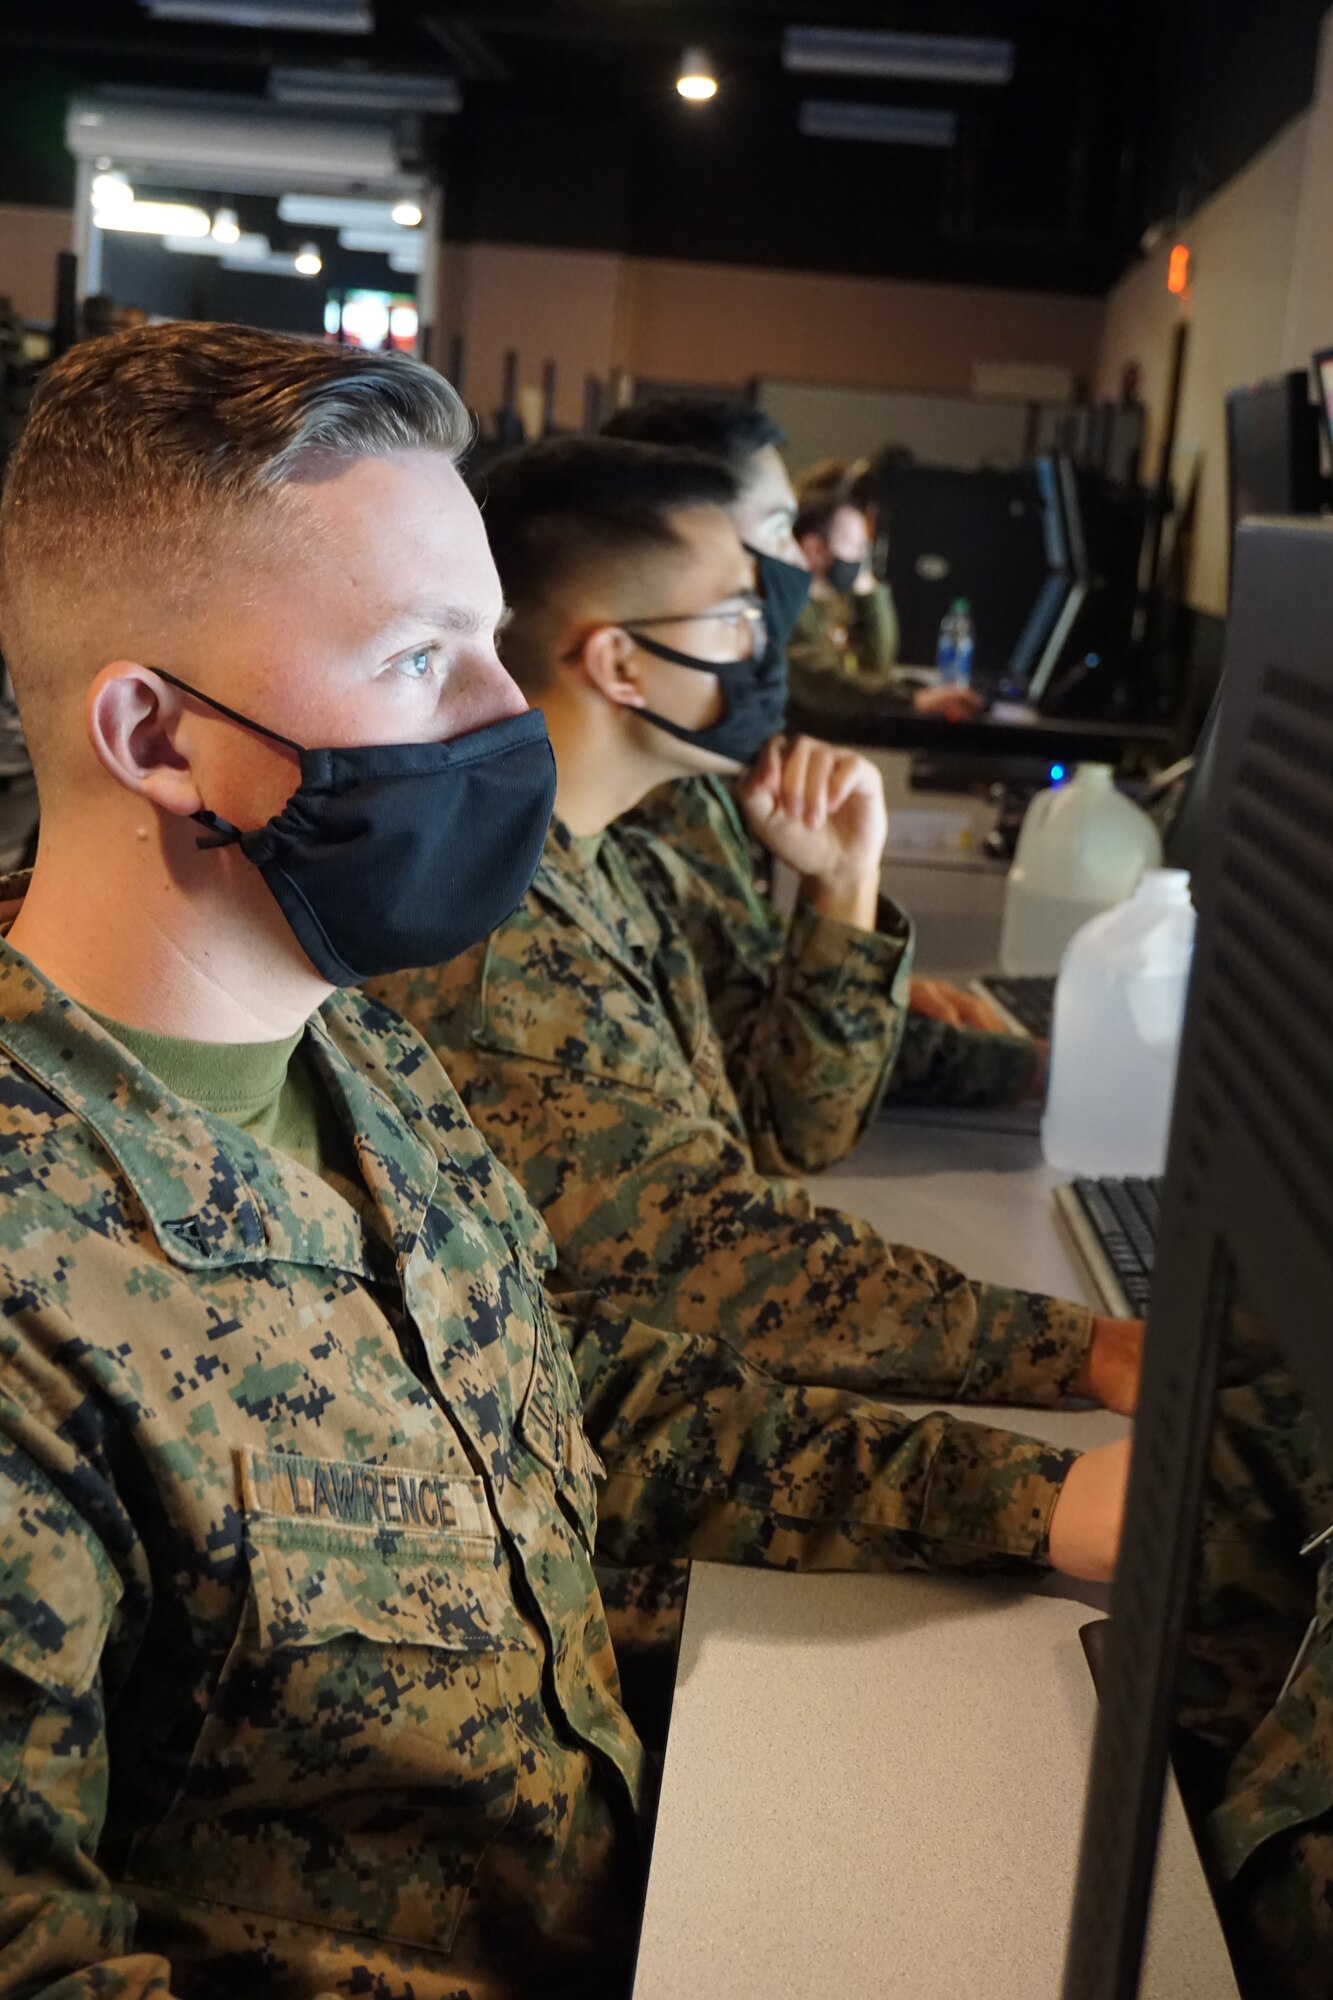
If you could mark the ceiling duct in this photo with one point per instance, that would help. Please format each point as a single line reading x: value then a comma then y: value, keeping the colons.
x: 914, y: 58
x: 242, y: 148
x: 319, y: 17
x: 886, y: 124
x: 356, y: 90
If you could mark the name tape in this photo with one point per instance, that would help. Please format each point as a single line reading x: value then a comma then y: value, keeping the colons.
x: 357, y: 1495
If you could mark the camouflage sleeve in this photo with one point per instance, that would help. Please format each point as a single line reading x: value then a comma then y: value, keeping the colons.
x: 659, y: 1204
x: 809, y: 1015
x: 872, y: 631
x: 64, y: 1927
x: 706, y: 1456
x: 940, y: 1064
x: 1254, y: 1745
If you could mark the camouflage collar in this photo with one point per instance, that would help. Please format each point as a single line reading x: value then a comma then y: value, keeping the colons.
x: 212, y: 1195
x: 603, y: 899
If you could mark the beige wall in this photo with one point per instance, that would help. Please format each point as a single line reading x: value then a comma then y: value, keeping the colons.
x: 1310, y: 305
x: 717, y: 323
x: 562, y: 305
x: 29, y: 241
x: 678, y: 321
x: 1243, y: 255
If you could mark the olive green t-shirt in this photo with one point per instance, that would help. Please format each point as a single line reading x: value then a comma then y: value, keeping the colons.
x: 272, y: 1090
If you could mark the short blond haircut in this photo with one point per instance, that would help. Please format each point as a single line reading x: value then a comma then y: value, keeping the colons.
x: 148, y: 455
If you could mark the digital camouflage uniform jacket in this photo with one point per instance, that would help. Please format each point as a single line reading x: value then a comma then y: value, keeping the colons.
x: 305, y: 1684
x: 1254, y: 1749
x: 696, y: 860
x: 581, y: 1038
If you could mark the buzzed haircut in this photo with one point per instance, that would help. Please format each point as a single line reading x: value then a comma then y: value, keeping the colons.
x: 153, y: 453
x: 721, y: 426
x: 561, y: 512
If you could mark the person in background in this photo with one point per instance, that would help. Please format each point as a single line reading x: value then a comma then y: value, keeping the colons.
x: 952, y: 1048
x: 580, y: 1034
x: 848, y: 627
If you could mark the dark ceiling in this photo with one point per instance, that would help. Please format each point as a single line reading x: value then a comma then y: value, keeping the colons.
x: 571, y: 133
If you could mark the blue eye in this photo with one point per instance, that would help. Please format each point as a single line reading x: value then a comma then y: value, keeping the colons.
x: 416, y: 665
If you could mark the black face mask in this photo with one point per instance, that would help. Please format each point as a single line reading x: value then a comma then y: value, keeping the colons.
x: 784, y: 587
x: 754, y: 691
x: 400, y: 854
x: 842, y: 574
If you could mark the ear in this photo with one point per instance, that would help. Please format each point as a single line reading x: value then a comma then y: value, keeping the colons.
x: 612, y: 663
x: 813, y: 548
x: 134, y: 720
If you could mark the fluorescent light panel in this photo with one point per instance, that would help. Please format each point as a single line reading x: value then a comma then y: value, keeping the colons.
x: 153, y: 218
x: 249, y: 248
x: 277, y: 264
x: 920, y: 58
x: 333, y: 17
x: 884, y: 124
x: 331, y: 211
x: 406, y: 254
x: 364, y: 90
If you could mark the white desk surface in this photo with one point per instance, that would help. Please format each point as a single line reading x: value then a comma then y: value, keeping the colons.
x: 874, y: 1784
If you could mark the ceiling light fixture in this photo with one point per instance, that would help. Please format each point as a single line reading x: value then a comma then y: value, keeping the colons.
x: 244, y: 249
x: 309, y: 263
x: 697, y: 81
x: 406, y: 214
x: 363, y: 89
x: 881, y: 52
x: 884, y: 124
x: 111, y: 190
x: 331, y: 17
x: 154, y: 218
x: 226, y: 226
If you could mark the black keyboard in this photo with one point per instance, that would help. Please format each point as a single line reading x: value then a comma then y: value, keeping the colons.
x: 1031, y: 1000
x: 1123, y: 1217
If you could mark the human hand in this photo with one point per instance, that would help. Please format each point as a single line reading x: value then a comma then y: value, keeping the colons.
x: 955, y: 704
x: 1090, y: 1513
x: 940, y: 1001
x: 822, y: 811
x: 1112, y: 1365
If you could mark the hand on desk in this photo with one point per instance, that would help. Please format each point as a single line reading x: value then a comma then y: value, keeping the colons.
x: 1086, y: 1524
x: 939, y: 1001
x: 1111, y: 1366
x: 955, y: 704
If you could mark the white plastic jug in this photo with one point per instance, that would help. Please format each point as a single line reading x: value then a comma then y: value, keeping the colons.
x: 1119, y: 1006
x: 1082, y: 849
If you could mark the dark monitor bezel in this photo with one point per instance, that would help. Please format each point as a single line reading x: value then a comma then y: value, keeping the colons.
x: 1321, y: 358
x: 1248, y: 1200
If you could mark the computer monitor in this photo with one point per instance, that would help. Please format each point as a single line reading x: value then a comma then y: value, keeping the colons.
x: 955, y: 534
x: 1247, y: 1219
x: 1184, y: 835
x: 1030, y: 652
x: 1272, y: 449
x: 1323, y: 371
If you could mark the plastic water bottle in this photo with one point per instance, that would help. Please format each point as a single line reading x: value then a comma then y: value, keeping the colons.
x: 946, y: 649
x: 1082, y: 849
x: 1119, y: 1009
x: 962, y: 643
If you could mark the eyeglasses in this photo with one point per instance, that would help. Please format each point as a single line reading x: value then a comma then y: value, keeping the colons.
x: 743, y: 622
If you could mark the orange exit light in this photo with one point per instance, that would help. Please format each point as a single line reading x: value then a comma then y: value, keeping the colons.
x: 1178, y: 270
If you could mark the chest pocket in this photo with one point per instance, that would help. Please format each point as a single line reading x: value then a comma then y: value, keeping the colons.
x: 551, y: 1424
x: 360, y: 1754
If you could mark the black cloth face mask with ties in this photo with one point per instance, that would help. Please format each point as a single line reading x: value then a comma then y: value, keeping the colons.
x: 755, y: 690
x: 842, y: 573
x: 396, y: 855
